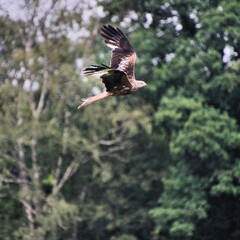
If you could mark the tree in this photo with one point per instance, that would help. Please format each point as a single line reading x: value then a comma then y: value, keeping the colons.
x: 162, y: 163
x: 205, y: 145
x: 45, y: 141
x: 202, y: 133
x: 193, y: 67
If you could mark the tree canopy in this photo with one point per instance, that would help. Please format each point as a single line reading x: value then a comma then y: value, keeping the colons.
x: 162, y: 163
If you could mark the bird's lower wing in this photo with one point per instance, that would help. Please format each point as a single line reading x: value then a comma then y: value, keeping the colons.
x: 108, y: 74
x: 90, y: 100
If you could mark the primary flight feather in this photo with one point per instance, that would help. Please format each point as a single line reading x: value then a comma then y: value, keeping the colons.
x: 119, y: 77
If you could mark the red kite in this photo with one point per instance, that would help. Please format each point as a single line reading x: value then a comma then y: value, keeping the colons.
x: 119, y: 78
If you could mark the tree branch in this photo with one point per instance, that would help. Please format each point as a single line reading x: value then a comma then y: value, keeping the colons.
x: 29, y: 211
x: 71, y: 169
x: 64, y: 148
x: 15, y: 181
x: 45, y: 86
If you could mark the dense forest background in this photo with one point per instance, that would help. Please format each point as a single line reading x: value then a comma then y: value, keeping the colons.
x: 162, y: 163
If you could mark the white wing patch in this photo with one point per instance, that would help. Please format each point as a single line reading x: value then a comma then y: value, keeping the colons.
x: 112, y: 46
x: 100, y: 73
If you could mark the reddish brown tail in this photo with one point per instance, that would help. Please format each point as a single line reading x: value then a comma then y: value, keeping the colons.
x: 90, y: 100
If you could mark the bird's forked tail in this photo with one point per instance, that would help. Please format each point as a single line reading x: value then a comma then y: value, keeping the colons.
x: 90, y: 100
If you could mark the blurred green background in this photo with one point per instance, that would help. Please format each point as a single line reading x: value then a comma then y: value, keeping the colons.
x: 162, y: 163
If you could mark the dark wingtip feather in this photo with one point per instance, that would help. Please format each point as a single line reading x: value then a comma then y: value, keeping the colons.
x: 95, y: 68
x: 109, y: 31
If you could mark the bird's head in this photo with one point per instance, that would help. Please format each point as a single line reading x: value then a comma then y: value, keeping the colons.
x: 140, y: 84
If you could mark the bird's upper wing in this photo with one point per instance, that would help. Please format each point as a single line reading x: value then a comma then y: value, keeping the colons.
x: 123, y: 55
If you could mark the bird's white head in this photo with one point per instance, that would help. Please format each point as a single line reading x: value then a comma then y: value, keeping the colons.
x: 140, y: 84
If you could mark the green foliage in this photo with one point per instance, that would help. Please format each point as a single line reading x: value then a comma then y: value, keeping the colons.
x: 207, y: 141
x: 174, y: 111
x: 221, y: 24
x: 124, y: 237
x: 162, y: 163
x: 182, y: 202
x: 11, y: 214
x: 59, y: 212
x: 227, y: 182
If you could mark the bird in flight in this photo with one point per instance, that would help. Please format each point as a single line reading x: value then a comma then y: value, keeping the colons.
x: 119, y: 77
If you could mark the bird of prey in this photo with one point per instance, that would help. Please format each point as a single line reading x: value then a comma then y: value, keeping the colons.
x: 119, y: 78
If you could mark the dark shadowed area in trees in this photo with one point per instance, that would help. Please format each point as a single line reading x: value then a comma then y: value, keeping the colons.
x: 162, y: 163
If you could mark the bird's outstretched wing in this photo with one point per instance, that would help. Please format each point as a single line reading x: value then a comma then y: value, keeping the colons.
x: 123, y: 55
x: 113, y: 79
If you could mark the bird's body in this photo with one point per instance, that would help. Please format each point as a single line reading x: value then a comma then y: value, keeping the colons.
x: 119, y: 78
